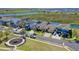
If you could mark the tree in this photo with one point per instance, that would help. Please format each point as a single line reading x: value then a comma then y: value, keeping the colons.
x: 23, y: 31
x: 76, y: 34
x: 5, y: 38
x: 22, y: 23
x: 1, y: 35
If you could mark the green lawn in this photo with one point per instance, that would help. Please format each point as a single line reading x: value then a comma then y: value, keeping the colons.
x: 32, y: 45
x: 76, y: 33
x: 39, y: 33
x: 55, y: 17
x: 62, y: 17
x: 3, y: 50
x: 13, y: 11
x: 2, y: 45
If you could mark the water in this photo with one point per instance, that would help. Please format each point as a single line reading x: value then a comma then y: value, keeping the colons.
x: 74, y: 26
x: 55, y: 24
x: 19, y: 14
x: 71, y: 25
x: 31, y: 13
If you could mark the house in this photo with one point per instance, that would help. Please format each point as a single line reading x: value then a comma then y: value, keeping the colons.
x: 42, y: 26
x: 32, y: 25
x: 27, y: 26
x: 10, y: 22
x: 50, y: 28
x: 18, y: 30
x: 65, y: 33
x: 56, y: 37
x: 1, y: 22
x: 4, y: 21
x: 47, y: 34
x: 14, y: 22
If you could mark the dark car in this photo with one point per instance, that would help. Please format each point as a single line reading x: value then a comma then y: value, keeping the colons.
x: 33, y: 36
x: 77, y: 41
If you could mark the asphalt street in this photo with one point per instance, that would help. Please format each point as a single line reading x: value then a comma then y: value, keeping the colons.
x: 52, y: 41
x: 73, y: 45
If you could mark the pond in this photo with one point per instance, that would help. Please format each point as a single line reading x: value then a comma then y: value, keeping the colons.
x: 71, y: 25
x: 31, y: 13
x: 74, y: 26
x: 55, y: 24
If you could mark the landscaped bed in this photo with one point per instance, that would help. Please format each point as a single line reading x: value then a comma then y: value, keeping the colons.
x: 33, y: 45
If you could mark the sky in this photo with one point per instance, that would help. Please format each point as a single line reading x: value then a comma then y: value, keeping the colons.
x: 39, y: 3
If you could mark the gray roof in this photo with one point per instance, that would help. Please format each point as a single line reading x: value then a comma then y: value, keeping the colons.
x: 43, y: 25
x: 51, y: 28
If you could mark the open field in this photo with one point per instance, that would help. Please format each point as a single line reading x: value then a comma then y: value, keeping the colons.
x: 54, y: 17
x: 13, y: 11
x: 32, y: 45
x: 62, y: 17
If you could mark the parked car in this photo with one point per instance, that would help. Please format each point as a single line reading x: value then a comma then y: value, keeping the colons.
x: 33, y: 36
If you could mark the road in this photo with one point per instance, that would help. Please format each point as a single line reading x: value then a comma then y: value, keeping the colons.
x: 73, y: 45
x: 52, y: 41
